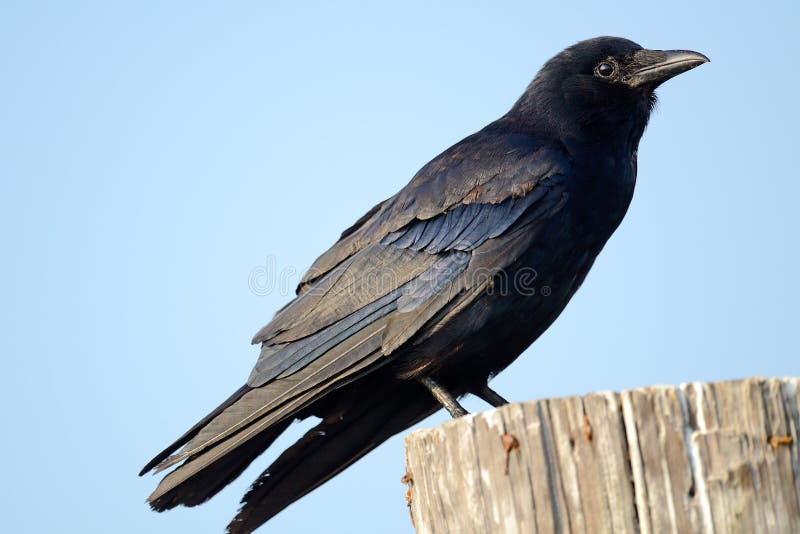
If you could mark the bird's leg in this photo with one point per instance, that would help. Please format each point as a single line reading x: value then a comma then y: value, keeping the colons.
x: 490, y: 396
x: 444, y: 397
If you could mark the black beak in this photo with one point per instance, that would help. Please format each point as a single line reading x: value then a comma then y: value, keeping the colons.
x: 654, y: 67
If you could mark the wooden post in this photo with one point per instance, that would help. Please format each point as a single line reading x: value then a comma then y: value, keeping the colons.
x: 710, y: 458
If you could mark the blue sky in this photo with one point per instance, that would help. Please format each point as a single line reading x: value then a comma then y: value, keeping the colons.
x: 157, y: 158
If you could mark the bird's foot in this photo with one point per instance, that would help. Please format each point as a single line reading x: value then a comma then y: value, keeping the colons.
x: 490, y: 396
x: 444, y: 397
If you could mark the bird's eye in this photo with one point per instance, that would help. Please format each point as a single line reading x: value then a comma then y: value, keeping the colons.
x: 605, y: 69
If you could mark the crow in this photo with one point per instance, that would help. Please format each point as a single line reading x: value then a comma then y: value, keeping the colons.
x: 436, y: 289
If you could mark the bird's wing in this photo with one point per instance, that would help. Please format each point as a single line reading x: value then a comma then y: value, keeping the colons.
x: 382, y: 281
x: 410, y: 247
x: 480, y: 169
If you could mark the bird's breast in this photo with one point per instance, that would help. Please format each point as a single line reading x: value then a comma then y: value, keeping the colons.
x: 600, y: 195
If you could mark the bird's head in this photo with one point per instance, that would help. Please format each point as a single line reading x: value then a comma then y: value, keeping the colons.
x: 601, y: 85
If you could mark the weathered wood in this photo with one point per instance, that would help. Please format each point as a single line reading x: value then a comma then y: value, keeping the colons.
x: 719, y: 458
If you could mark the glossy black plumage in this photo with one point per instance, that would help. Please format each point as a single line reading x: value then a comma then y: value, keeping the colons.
x: 441, y: 280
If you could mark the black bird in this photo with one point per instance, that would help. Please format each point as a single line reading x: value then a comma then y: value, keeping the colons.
x: 436, y: 289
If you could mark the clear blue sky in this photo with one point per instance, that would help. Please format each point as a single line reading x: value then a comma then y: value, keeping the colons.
x: 157, y: 157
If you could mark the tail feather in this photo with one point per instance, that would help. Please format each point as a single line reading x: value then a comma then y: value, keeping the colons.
x: 192, y: 432
x: 338, y: 441
x: 212, y: 478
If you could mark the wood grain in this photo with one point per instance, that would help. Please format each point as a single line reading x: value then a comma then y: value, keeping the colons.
x: 700, y: 457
